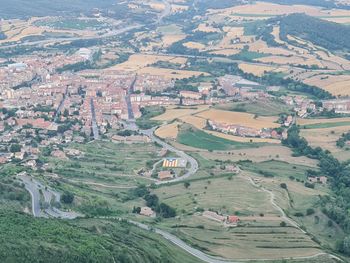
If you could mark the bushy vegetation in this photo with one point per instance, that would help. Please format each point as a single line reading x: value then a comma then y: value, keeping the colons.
x: 343, y: 140
x: 330, y: 35
x: 148, y: 113
x: 336, y: 207
x: 25, y: 239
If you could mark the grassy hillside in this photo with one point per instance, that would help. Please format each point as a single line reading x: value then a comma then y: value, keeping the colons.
x: 330, y: 35
x: 24, y: 8
x: 25, y: 239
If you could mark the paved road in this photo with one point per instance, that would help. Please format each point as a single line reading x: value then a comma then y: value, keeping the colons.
x: 33, y: 186
x: 61, y: 105
x: 165, y: 13
x: 131, y: 116
x: 33, y: 189
x: 94, y: 126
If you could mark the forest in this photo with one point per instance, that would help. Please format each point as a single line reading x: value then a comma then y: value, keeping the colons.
x: 330, y: 35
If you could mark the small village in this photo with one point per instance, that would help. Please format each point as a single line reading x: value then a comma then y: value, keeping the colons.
x: 39, y: 101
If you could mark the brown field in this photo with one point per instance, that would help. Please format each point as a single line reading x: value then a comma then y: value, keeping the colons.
x: 262, y: 8
x: 168, y: 131
x: 261, y: 154
x: 239, y: 118
x: 261, y: 47
x: 171, y: 73
x: 257, y: 70
x: 337, y: 85
x: 207, y: 28
x: 197, y: 122
x: 326, y: 138
x: 168, y: 40
x: 295, y: 60
x: 276, y: 34
x: 139, y: 61
x: 178, y: 8
x: 156, y: 6
x: 194, y: 45
x: 174, y: 113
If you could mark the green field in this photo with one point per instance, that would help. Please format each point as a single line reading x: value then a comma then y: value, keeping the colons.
x: 202, y: 140
x: 259, y: 232
x: 325, y: 125
x: 277, y: 169
x: 106, y: 162
x: 261, y: 108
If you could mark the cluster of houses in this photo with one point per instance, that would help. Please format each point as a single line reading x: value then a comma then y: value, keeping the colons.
x: 228, y: 220
x: 243, y: 131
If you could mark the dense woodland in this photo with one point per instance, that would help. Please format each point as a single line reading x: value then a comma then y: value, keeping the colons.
x: 330, y: 35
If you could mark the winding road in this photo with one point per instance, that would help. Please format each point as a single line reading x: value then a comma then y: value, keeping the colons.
x: 34, y: 187
x: 193, y: 162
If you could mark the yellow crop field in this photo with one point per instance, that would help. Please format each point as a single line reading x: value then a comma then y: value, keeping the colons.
x: 168, y: 131
x: 239, y: 118
x: 276, y: 35
x: 156, y: 6
x: 139, y: 61
x: 197, y: 122
x: 172, y: 112
x: 326, y: 138
x: 194, y: 45
x: 168, y: 40
x: 178, y: 8
x: 207, y: 28
x: 262, y: 8
x: 257, y: 70
x: 337, y: 85
x: 171, y: 73
x: 261, y: 47
x: 295, y: 60
x: 261, y: 154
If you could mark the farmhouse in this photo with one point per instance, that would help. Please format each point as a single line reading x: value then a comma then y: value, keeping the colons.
x: 147, y: 211
x: 318, y: 179
x: 165, y: 175
x: 214, y: 216
x: 232, y: 220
